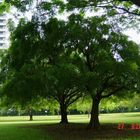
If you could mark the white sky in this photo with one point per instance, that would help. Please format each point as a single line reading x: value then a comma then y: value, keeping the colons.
x: 133, y: 35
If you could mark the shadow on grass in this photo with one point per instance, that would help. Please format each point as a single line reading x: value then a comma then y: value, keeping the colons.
x: 75, y: 131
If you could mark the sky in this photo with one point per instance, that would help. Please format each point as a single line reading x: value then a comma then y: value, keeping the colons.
x: 133, y: 35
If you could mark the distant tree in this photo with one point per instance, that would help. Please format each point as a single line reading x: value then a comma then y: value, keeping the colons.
x: 133, y: 104
x: 121, y: 103
x: 82, y: 105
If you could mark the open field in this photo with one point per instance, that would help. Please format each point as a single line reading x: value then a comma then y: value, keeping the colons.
x: 47, y: 128
x: 104, y: 118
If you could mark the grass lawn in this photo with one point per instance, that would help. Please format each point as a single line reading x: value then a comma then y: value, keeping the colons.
x: 47, y: 128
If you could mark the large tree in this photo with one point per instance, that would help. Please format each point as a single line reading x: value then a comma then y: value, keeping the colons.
x: 41, y: 65
x: 110, y: 60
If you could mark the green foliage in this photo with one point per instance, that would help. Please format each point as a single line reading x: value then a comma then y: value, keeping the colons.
x: 98, y: 44
x: 82, y: 105
x: 41, y: 65
x: 4, y: 7
x: 26, y: 36
x: 120, y: 104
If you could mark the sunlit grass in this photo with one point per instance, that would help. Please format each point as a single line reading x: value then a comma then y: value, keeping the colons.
x: 104, y: 118
x: 120, y: 117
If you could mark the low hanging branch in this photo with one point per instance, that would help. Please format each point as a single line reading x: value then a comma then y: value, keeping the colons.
x: 113, y: 92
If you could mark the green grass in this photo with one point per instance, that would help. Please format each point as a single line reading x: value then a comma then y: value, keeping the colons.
x: 127, y: 118
x: 20, y: 132
x: 47, y: 128
x: 104, y: 118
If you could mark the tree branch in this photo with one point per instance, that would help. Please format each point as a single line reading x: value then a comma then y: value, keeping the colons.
x: 119, y: 8
x: 113, y: 92
x: 104, y: 85
x: 72, y: 96
x: 136, y: 2
x: 72, y: 101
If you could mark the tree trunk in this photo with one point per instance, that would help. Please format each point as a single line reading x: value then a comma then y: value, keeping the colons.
x: 30, y: 115
x: 94, y: 119
x: 88, y: 114
x: 63, y: 110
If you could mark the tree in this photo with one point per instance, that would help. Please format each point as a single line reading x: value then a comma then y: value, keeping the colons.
x: 41, y: 65
x: 21, y: 82
x: 64, y: 83
x: 110, y: 60
x: 29, y: 107
x: 22, y: 90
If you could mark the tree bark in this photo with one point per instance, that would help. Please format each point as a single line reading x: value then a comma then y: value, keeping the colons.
x: 63, y: 110
x: 94, y: 119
